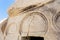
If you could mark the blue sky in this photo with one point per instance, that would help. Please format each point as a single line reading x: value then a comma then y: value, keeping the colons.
x: 4, y: 5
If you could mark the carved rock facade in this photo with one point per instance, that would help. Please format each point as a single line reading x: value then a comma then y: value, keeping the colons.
x: 32, y: 19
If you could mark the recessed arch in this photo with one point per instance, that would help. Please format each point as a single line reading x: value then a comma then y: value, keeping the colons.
x: 56, y: 22
x: 34, y: 18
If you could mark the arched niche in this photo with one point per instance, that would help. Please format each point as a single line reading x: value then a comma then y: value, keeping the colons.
x: 34, y: 22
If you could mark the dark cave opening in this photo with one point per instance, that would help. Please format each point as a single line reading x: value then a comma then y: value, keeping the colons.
x: 32, y: 38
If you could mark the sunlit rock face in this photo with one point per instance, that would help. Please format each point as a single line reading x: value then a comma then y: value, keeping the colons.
x: 32, y: 20
x: 3, y: 24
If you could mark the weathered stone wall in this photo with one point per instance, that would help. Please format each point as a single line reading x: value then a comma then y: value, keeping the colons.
x: 33, y: 18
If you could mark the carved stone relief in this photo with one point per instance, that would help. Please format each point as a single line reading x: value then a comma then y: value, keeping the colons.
x: 56, y: 21
x: 41, y: 19
x: 30, y: 20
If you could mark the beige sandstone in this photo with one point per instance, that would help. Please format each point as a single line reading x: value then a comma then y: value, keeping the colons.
x: 32, y: 18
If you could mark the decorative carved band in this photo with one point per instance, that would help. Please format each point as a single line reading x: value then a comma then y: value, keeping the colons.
x: 15, y: 11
